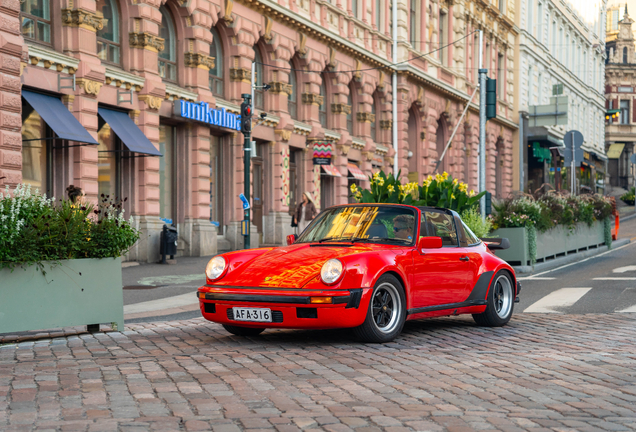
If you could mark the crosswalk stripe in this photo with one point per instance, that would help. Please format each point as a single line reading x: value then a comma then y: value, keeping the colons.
x: 560, y: 298
x: 615, y: 278
x: 627, y: 310
x: 531, y: 278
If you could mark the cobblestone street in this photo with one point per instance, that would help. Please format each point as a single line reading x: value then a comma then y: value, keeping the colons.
x: 541, y: 372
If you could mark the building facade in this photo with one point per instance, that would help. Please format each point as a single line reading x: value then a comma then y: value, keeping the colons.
x: 620, y: 91
x: 176, y: 71
x: 561, y: 55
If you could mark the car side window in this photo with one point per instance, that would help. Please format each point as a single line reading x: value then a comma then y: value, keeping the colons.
x: 441, y: 225
x: 471, y: 238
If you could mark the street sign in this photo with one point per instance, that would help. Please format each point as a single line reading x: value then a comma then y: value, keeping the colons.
x: 246, y: 203
x: 576, y: 137
x: 553, y: 114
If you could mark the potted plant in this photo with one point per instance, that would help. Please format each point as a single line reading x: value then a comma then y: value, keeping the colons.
x: 60, y: 262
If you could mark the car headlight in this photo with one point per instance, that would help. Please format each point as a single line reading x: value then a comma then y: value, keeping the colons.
x: 331, y: 271
x: 215, y: 268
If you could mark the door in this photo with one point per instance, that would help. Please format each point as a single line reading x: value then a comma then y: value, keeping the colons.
x: 257, y: 194
x: 440, y: 276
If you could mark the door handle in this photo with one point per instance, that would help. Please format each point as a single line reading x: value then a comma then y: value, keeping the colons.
x: 464, y: 258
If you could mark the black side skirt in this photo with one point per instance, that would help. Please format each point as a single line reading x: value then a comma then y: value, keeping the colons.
x: 477, y: 297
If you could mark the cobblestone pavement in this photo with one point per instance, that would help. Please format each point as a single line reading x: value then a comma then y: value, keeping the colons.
x: 541, y: 372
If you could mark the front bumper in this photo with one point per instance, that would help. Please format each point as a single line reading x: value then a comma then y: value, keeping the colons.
x: 291, y: 308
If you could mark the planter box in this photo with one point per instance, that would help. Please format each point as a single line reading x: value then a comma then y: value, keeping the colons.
x: 77, y: 292
x: 551, y: 244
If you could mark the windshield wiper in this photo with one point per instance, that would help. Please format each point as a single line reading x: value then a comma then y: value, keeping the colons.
x: 331, y: 239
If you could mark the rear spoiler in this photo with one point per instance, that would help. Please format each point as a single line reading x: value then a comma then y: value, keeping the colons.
x: 496, y: 243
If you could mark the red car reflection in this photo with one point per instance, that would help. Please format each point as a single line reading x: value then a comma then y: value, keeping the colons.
x: 369, y: 267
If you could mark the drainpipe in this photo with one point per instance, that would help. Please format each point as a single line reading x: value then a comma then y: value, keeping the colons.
x: 394, y: 86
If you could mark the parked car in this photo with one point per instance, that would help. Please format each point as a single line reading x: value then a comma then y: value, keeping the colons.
x: 369, y: 267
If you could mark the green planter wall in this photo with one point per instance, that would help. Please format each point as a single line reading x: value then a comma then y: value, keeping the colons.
x: 77, y: 292
x: 556, y: 242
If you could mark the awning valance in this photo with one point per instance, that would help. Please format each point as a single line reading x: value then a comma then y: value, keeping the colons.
x: 356, y: 172
x: 128, y: 132
x: 615, y: 151
x: 331, y: 170
x: 58, y: 117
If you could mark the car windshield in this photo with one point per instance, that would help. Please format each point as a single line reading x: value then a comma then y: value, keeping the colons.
x: 374, y: 224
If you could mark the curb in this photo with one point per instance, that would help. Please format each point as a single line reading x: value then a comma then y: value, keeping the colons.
x: 539, y: 267
x: 626, y: 218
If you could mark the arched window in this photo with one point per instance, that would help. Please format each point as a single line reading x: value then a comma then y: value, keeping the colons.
x: 624, y: 54
x: 350, y: 114
x: 108, y: 37
x: 216, y: 73
x: 374, y: 123
x: 259, y: 99
x: 167, y: 57
x: 322, y: 109
x: 293, y: 95
x: 35, y: 17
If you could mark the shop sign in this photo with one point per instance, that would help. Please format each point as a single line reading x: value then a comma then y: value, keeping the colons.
x: 323, y: 151
x: 202, y: 112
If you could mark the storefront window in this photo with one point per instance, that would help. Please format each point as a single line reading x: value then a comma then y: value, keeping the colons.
x: 216, y: 73
x: 167, y: 57
x: 216, y: 182
x: 36, y: 20
x: 166, y: 171
x: 34, y: 152
x: 108, y: 163
x: 108, y: 37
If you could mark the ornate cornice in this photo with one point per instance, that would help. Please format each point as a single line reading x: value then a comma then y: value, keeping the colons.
x: 340, y: 108
x: 153, y: 102
x: 386, y: 124
x: 313, y: 99
x: 89, y: 86
x: 365, y: 117
x: 201, y: 61
x: 147, y: 41
x: 280, y: 87
x: 241, y: 74
x: 80, y: 18
x: 284, y: 134
x: 344, y: 149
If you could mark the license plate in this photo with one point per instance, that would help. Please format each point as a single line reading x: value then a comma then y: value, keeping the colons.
x: 252, y: 314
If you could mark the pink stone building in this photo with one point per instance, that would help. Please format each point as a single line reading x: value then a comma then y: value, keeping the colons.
x: 329, y: 67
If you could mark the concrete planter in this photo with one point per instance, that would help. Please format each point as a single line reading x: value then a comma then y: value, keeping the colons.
x: 551, y: 244
x: 77, y: 292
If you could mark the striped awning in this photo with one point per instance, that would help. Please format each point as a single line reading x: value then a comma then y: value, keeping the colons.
x: 356, y: 172
x: 331, y: 170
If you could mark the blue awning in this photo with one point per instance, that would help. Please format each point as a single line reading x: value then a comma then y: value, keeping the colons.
x: 128, y: 132
x: 58, y: 117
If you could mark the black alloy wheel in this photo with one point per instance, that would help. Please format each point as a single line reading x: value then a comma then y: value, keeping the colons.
x: 386, y: 314
x: 499, y: 302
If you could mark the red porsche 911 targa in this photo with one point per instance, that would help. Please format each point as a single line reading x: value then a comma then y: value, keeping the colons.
x: 369, y: 267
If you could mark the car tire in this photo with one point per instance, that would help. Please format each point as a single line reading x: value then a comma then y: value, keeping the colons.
x: 243, y: 331
x: 386, y: 313
x: 500, y: 302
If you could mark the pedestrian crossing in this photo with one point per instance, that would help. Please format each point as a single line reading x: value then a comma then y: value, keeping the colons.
x: 557, y: 300
x: 575, y: 300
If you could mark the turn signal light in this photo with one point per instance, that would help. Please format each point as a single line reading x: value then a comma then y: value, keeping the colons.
x: 202, y: 295
x: 321, y: 300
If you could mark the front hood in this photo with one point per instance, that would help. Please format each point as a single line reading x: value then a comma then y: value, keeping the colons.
x: 285, y: 267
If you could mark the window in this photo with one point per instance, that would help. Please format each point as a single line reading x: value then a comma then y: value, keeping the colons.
x: 471, y: 238
x: 322, y: 109
x: 108, y: 37
x: 354, y: 8
x: 624, y: 112
x: 293, y: 95
x: 413, y: 24
x: 561, y: 47
x: 624, y: 54
x: 36, y: 20
x: 167, y: 57
x: 259, y: 98
x: 35, y: 152
x: 216, y: 182
x: 441, y: 225
x: 500, y: 76
x: 378, y: 15
x: 350, y: 114
x: 374, y: 123
x: 166, y: 171
x: 443, y: 37
x: 502, y: 6
x: 476, y: 59
x: 108, y: 162
x: 554, y: 38
x: 530, y: 13
x: 539, y: 26
x: 216, y: 73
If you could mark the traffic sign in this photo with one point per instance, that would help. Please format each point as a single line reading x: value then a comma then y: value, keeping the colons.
x: 575, y: 137
x: 553, y: 114
x: 246, y: 203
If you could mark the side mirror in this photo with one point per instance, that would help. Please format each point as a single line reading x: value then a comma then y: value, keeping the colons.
x: 291, y: 239
x: 429, y: 243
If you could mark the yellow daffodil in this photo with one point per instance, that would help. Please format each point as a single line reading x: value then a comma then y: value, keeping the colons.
x: 471, y: 193
x: 455, y: 181
x: 429, y: 178
x: 354, y: 188
x: 445, y: 175
x: 463, y: 187
x: 390, y: 188
x: 380, y: 181
x: 452, y: 196
x: 439, y: 177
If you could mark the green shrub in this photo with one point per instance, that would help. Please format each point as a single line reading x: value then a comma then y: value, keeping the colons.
x: 480, y: 227
x: 34, y: 228
x: 629, y: 197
